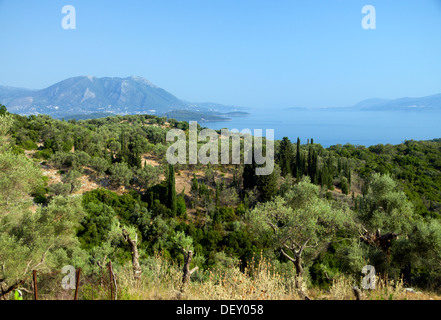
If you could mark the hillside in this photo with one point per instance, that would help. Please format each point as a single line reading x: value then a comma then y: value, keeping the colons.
x: 89, y: 180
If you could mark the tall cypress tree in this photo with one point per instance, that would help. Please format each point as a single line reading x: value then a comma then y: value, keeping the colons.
x: 171, y: 190
x: 310, y: 164
x: 217, y: 197
x: 313, y: 165
x: 267, y: 186
x: 285, y: 156
x: 298, y: 164
x: 249, y: 176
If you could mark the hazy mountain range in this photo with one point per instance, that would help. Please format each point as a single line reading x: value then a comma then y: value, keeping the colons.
x: 428, y: 103
x: 86, y: 95
x: 135, y: 95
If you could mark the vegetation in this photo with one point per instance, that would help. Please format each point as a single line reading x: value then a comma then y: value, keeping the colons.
x: 89, y: 192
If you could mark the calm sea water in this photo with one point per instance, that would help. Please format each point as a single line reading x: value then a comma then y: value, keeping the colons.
x: 339, y: 127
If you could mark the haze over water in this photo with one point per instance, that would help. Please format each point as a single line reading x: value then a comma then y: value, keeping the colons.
x: 331, y: 127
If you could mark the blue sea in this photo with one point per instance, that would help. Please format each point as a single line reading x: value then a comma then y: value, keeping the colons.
x: 331, y: 127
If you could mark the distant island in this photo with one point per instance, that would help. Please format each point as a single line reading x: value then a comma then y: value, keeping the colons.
x: 187, y: 115
x: 296, y: 108
x: 237, y: 114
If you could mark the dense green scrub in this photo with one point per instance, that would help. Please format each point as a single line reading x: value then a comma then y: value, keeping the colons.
x: 317, y: 215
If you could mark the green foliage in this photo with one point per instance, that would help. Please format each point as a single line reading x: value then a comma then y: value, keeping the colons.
x: 385, y: 207
x: 96, y: 225
x: 181, y: 207
x: 101, y: 165
x: 171, y: 190
x: 120, y: 174
x: 3, y: 110
x: 285, y: 156
x: 300, y: 220
x: 344, y: 186
x: 36, y: 241
x: 147, y: 176
x: 183, y: 242
x: 18, y: 177
x: 399, y: 186
x: 72, y: 179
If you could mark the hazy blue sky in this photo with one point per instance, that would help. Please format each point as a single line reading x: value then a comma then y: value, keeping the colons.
x: 251, y: 53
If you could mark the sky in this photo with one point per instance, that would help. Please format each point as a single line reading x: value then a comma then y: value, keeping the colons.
x: 250, y: 53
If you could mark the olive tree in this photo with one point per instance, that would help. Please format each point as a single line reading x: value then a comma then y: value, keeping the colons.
x: 386, y: 207
x: 43, y: 240
x: 385, y: 215
x: 185, y: 243
x: 301, y: 225
x: 148, y: 176
x: 121, y: 174
x: 18, y: 175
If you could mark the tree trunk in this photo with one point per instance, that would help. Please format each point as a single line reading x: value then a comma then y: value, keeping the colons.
x: 300, y: 285
x: 135, y: 256
x: 4, y: 293
x: 357, y: 293
x: 187, y: 272
x: 407, y: 274
x: 297, y: 261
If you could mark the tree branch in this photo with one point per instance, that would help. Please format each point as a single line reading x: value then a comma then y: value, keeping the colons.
x: 287, y: 256
x: 272, y: 226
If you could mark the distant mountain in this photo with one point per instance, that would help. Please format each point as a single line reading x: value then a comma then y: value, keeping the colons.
x: 429, y: 103
x: 86, y: 94
x: 370, y: 103
x: 11, y: 92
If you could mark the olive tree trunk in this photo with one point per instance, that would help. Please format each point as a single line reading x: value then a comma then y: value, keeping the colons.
x: 187, y: 272
x: 135, y: 256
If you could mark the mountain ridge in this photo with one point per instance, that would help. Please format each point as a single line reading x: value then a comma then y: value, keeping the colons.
x: 89, y: 94
x: 426, y: 103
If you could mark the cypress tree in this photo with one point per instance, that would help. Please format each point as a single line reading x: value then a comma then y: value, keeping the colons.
x: 330, y: 165
x: 313, y: 165
x: 249, y: 176
x: 344, y: 186
x: 267, y: 186
x: 310, y: 162
x: 285, y: 156
x: 171, y: 190
x: 304, y: 164
x: 298, y: 164
x: 217, y: 199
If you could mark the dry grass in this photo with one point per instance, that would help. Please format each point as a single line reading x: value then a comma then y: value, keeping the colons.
x: 256, y: 283
x: 341, y: 289
x: 162, y: 281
